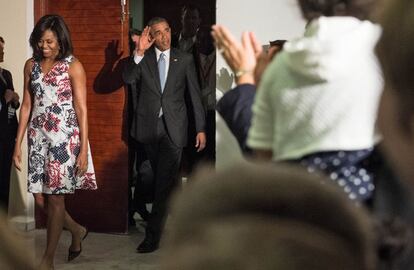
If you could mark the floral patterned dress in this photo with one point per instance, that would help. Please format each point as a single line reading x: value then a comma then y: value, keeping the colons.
x: 54, y: 135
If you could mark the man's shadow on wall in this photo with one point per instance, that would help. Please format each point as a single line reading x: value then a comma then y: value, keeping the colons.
x: 109, y: 80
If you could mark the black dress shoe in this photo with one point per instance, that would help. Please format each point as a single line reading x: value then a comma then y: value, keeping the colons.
x: 147, y: 246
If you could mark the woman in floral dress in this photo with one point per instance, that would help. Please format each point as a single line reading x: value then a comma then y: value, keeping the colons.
x: 54, y: 113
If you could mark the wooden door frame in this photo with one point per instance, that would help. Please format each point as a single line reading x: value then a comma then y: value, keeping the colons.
x: 40, y: 7
x: 43, y: 7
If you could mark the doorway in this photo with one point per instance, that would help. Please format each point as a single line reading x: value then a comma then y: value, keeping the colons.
x: 97, y: 29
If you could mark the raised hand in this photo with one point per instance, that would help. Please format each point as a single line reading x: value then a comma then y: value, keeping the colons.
x: 240, y: 56
x: 263, y: 61
x: 145, y: 42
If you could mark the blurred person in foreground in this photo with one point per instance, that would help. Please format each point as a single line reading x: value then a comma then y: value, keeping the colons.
x: 267, y: 217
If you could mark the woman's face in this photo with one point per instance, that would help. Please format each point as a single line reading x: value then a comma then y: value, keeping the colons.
x: 398, y: 143
x: 49, y: 44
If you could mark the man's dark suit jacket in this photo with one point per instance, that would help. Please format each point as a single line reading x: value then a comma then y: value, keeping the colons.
x: 181, y: 77
x: 8, y: 127
x: 236, y: 109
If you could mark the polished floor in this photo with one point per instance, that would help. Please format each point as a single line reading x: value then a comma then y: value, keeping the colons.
x: 100, y: 251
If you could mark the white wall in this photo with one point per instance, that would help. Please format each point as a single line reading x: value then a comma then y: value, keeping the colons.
x: 15, y: 27
x: 268, y: 19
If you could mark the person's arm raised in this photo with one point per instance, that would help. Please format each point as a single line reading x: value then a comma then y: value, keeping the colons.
x: 240, y: 56
x: 145, y: 42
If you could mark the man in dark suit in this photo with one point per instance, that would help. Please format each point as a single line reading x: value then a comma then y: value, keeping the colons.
x: 195, y: 38
x: 9, y: 102
x: 163, y: 75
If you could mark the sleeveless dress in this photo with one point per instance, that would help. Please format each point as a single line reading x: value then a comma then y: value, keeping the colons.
x: 54, y: 135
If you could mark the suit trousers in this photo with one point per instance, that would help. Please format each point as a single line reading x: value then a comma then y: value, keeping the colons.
x: 137, y: 162
x: 6, y: 154
x: 165, y: 158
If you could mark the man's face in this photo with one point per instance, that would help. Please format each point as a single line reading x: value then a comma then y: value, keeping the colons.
x: 161, y: 32
x: 1, y: 51
x: 191, y: 21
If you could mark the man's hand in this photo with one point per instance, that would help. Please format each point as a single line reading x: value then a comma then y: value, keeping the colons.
x: 10, y: 95
x: 200, y: 141
x: 145, y: 42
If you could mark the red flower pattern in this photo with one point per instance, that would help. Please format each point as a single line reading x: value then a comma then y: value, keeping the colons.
x: 64, y: 90
x: 74, y: 141
x: 88, y: 181
x: 55, y: 174
x: 31, y: 132
x: 54, y: 117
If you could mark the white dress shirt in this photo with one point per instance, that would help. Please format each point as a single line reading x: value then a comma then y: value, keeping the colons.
x: 138, y: 58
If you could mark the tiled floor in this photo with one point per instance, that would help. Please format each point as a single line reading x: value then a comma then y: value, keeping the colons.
x: 100, y: 251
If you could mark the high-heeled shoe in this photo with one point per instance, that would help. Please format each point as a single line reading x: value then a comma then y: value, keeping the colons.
x: 74, y: 254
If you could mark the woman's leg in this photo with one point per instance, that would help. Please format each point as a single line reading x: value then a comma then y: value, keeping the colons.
x: 56, y: 216
x: 72, y: 226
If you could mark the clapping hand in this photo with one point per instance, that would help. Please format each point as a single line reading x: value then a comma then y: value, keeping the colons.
x: 263, y: 61
x: 240, y: 56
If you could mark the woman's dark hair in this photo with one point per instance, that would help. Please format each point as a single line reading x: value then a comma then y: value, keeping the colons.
x: 56, y: 24
x: 313, y: 9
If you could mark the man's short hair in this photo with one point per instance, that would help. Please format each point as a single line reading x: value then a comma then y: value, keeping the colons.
x: 156, y: 20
